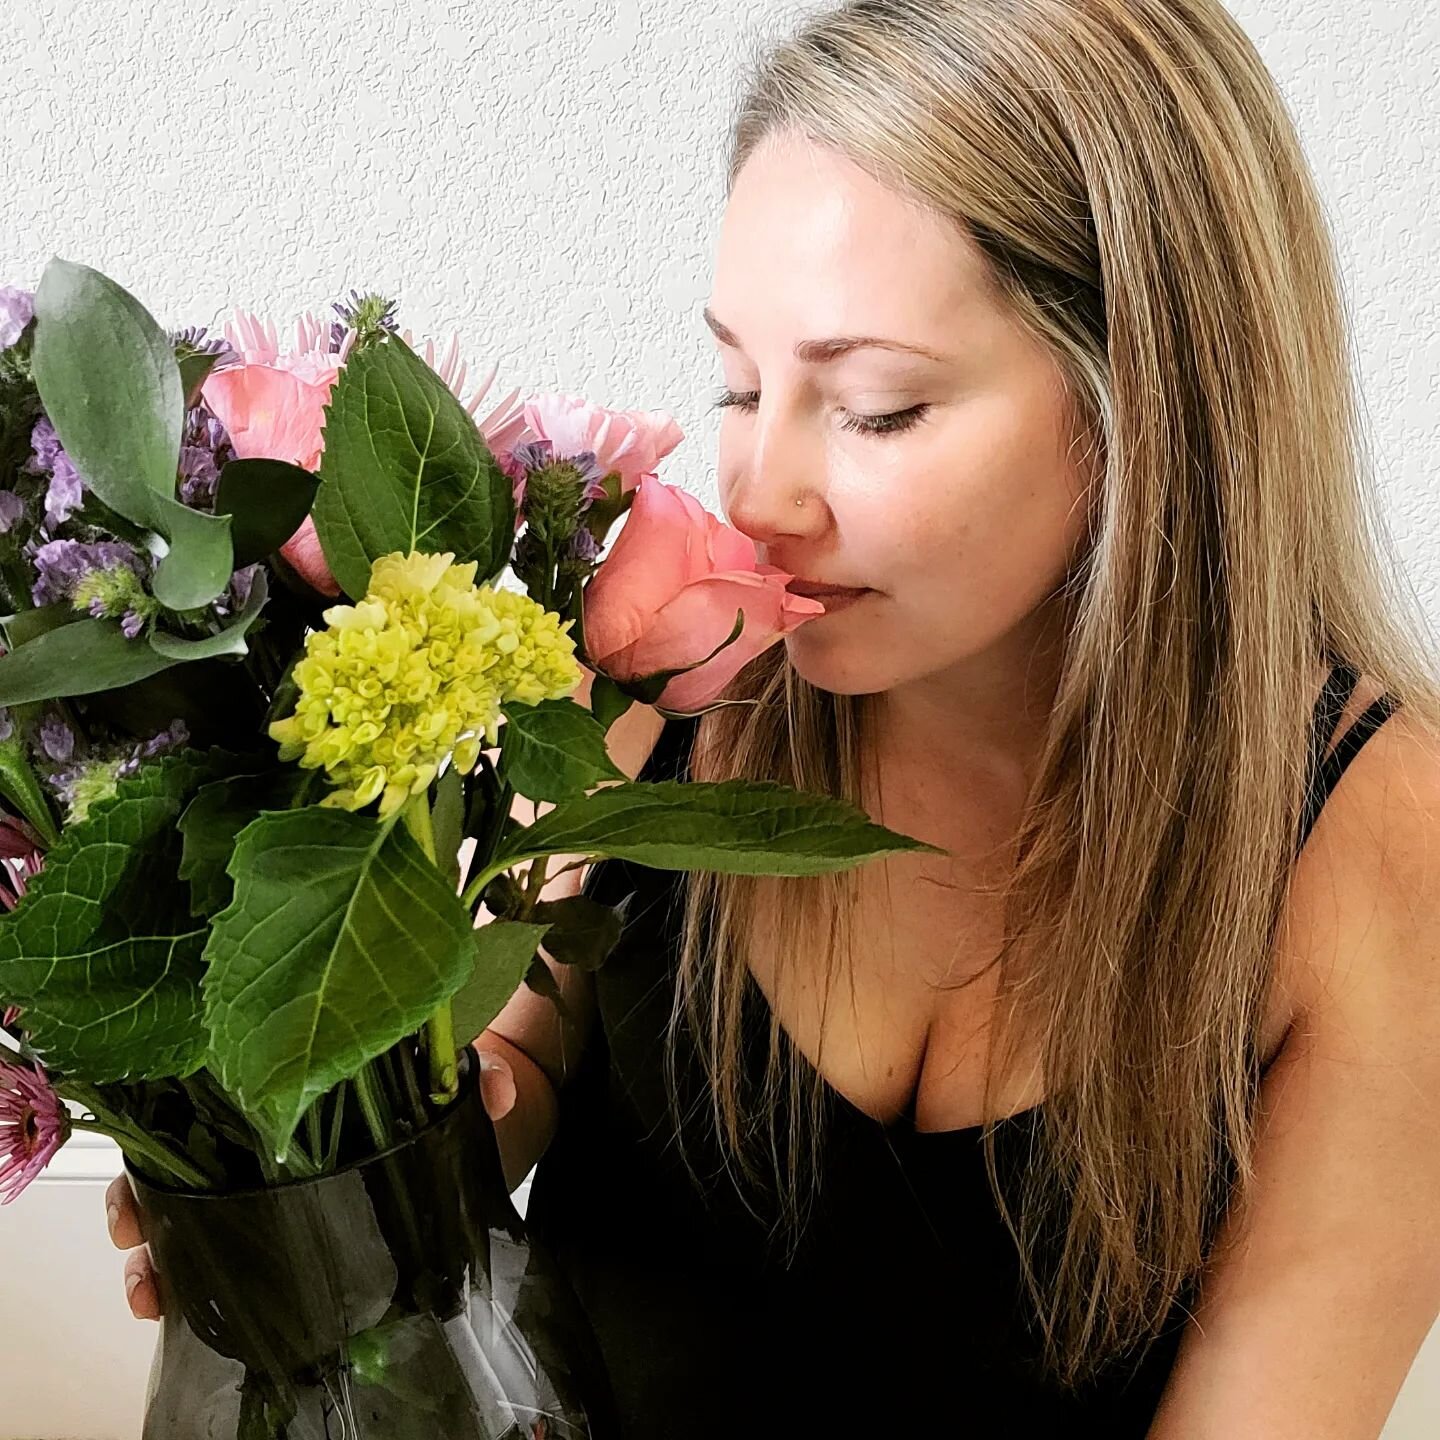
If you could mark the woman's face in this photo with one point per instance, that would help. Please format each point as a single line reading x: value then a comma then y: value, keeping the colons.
x: 962, y: 519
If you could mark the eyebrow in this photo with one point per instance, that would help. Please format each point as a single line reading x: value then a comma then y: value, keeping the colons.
x: 818, y: 352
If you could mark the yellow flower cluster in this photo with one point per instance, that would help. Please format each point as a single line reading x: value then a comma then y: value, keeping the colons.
x: 418, y: 669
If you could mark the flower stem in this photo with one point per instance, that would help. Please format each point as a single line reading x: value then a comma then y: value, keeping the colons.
x: 156, y: 1156
x: 440, y: 1027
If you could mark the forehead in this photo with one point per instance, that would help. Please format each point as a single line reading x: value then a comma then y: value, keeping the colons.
x: 808, y: 234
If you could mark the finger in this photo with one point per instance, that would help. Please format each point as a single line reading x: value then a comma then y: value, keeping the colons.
x: 497, y: 1085
x: 140, y: 1287
x: 122, y: 1214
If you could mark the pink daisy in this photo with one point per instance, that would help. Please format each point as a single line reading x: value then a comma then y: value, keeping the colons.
x: 34, y: 1124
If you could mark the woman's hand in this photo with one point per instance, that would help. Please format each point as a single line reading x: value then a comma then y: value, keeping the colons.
x: 127, y: 1225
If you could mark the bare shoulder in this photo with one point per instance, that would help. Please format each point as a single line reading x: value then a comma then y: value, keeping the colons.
x: 1373, y: 857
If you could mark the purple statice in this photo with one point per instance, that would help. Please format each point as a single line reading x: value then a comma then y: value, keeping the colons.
x: 17, y: 309
x: 237, y: 593
x: 205, y: 449
x: 57, y: 739
x: 12, y: 507
x: 60, y: 565
x: 66, y: 491
x: 170, y: 738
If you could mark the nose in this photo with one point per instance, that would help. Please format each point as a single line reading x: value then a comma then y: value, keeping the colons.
x: 774, y: 490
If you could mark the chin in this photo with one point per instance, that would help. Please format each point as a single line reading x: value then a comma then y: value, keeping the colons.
x: 839, y: 669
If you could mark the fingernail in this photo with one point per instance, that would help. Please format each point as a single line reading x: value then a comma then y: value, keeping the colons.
x: 131, y: 1281
x: 112, y: 1217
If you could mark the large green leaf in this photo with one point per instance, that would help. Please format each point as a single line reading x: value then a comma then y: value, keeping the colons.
x: 218, y: 813
x: 78, y: 659
x: 503, y: 952
x: 102, y: 952
x: 341, y: 939
x: 406, y: 468
x: 107, y: 377
x: 740, y: 827
x: 554, y: 750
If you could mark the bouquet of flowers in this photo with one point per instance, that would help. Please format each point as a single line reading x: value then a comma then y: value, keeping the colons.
x: 262, y: 686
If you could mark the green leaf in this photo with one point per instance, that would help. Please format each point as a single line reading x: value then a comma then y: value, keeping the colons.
x: 267, y: 501
x: 608, y: 702
x: 739, y: 827
x: 447, y: 821
x: 20, y: 787
x: 583, y: 931
x: 102, y: 952
x: 79, y: 659
x: 194, y: 372
x: 554, y: 750
x: 25, y: 625
x: 503, y: 952
x: 229, y: 641
x: 216, y: 815
x: 341, y: 939
x: 109, y: 383
x: 406, y: 468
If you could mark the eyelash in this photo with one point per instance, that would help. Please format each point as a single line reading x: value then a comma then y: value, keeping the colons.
x: 893, y: 424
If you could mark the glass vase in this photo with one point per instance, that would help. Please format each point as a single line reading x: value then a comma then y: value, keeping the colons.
x: 396, y: 1299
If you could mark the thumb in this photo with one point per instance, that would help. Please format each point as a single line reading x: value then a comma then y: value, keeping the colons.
x: 497, y: 1084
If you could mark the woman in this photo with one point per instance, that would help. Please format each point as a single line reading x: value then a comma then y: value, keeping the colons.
x: 1118, y: 1118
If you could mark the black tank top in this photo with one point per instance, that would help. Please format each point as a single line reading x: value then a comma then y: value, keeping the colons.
x: 903, y: 1312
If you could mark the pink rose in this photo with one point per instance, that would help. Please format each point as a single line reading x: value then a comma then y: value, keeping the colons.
x: 667, y: 593
x: 630, y: 441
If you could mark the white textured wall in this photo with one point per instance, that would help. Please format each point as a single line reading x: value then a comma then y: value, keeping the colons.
x: 545, y: 177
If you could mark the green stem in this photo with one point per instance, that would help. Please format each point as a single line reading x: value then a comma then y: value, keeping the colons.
x: 332, y: 1151
x: 367, y: 1093
x: 440, y: 1027
x: 156, y: 1156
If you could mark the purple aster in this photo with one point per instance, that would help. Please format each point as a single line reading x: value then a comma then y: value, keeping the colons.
x: 362, y: 311
x: 59, y: 564
x: 7, y: 723
x: 192, y: 341
x: 583, y: 546
x: 34, y: 1124
x: 12, y: 507
x: 237, y: 594
x: 17, y: 309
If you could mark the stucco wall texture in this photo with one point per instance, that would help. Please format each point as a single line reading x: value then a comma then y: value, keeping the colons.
x: 546, y: 179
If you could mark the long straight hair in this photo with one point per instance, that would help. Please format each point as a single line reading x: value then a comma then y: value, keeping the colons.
x: 1135, y: 184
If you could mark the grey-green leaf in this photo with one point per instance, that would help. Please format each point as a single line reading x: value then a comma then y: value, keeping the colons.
x: 406, y: 468
x: 102, y: 952
x: 109, y: 383
x: 79, y: 659
x: 341, y: 939
x: 229, y: 641
x: 554, y: 750
x: 503, y: 952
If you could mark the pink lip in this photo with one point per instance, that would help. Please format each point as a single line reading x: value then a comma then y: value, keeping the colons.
x: 824, y: 592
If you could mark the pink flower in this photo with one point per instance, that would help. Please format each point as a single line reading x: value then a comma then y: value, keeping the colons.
x: 667, y: 594
x: 630, y: 441
x: 273, y: 406
x: 22, y: 856
x: 34, y: 1124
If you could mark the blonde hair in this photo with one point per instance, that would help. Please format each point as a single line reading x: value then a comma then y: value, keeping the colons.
x: 1135, y: 183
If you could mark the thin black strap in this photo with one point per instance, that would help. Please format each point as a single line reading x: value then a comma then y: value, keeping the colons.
x: 1325, y: 770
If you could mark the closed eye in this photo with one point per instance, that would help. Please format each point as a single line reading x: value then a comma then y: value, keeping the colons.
x: 891, y: 424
